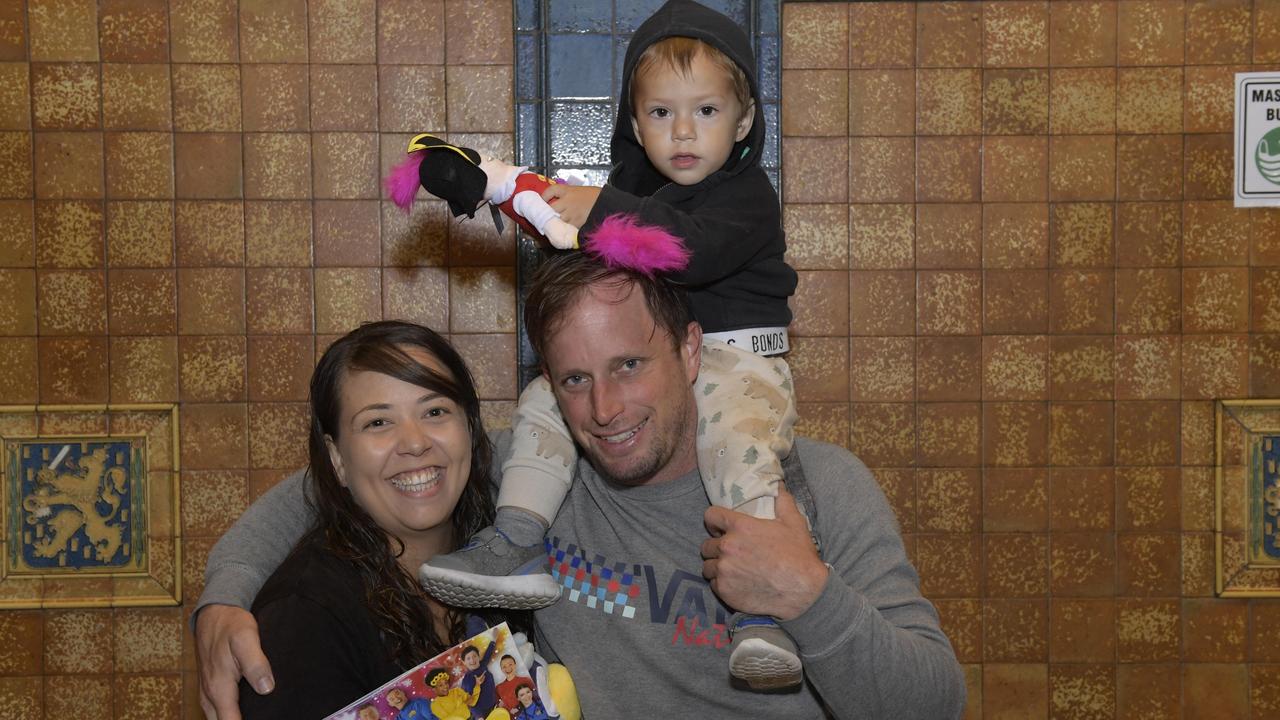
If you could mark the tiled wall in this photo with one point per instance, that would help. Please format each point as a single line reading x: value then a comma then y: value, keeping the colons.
x: 1022, y: 284
x: 189, y: 209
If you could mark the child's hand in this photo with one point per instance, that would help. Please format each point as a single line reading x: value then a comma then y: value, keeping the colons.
x: 573, y: 202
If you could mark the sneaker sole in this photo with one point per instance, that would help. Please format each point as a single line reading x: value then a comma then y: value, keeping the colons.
x: 764, y: 666
x: 511, y: 592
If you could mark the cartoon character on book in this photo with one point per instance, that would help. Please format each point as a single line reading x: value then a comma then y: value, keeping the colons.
x: 408, y: 708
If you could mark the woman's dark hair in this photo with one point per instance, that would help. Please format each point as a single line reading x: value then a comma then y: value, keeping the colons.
x: 399, y: 605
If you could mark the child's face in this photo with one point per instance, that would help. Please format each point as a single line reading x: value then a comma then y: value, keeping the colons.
x: 397, y: 699
x: 688, y: 124
x: 368, y: 713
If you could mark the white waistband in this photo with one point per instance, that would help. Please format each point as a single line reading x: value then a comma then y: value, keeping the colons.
x: 761, y: 341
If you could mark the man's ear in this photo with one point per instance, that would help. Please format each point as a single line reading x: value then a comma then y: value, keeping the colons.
x: 691, y: 351
x: 635, y: 130
x: 744, y: 124
x: 335, y: 459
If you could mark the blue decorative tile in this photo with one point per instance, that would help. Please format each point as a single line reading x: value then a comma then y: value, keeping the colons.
x: 767, y: 64
x: 528, y: 14
x: 631, y: 14
x: 528, y: 67
x: 767, y: 17
x: 580, y: 16
x: 769, y: 158
x: 574, y: 66
x: 529, y: 135
x: 620, y: 43
x: 737, y: 10
x: 580, y: 133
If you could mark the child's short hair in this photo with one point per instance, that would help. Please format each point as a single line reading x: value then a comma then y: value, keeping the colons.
x: 678, y: 52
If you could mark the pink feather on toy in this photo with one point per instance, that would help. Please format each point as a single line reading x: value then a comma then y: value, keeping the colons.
x: 622, y: 243
x: 402, y: 182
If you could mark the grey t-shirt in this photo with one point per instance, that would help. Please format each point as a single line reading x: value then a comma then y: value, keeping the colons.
x: 642, y: 632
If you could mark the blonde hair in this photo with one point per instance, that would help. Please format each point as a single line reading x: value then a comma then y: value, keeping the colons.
x: 678, y: 52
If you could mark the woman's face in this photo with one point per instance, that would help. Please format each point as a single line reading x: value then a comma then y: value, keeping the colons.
x: 525, y: 696
x: 403, y: 451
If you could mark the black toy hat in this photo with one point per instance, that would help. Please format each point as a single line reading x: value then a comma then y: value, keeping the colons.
x: 450, y: 173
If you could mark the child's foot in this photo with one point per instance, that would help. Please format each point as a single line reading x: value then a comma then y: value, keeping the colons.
x: 491, y: 571
x: 764, y: 655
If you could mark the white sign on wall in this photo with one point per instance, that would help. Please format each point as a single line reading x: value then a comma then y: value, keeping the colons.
x: 1257, y: 142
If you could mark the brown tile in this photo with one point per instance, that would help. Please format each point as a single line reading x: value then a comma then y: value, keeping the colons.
x: 882, y: 369
x: 1147, y: 497
x: 214, y: 436
x: 949, y: 236
x: 1082, y: 691
x: 78, y: 641
x: 212, y: 368
x: 18, y: 378
x: 1264, y: 364
x: 65, y: 96
x: 15, y: 96
x: 1218, y: 32
x: 345, y: 165
x: 948, y: 102
x: 828, y: 422
x: 1015, y: 499
x: 472, y: 105
x: 1215, y: 691
x: 1082, y: 101
x: 1148, y: 630
x: 416, y: 239
x: 1148, y: 234
x: 1209, y: 97
x: 143, y: 302
x: 1082, y: 564
x: 1082, y: 167
x: 948, y: 169
x: 209, y: 233
x: 147, y: 640
x: 948, y: 34
x: 279, y: 300
x: 278, y: 234
x: 1198, y: 564
x: 278, y: 435
x: 211, y: 501
x: 72, y: 302
x: 1264, y: 300
x: 208, y: 165
x: 821, y: 303
x: 1264, y: 645
x: 1080, y: 301
x: 68, y: 694
x: 1197, y: 433
x: 139, y: 165
x: 343, y: 32
x: 13, y: 32
x: 1015, y: 235
x: 1207, y: 167
x: 1015, y: 169
x: 1015, y: 102
x: 1082, y: 33
x: 203, y: 31
x: 1265, y: 245
x: 817, y: 236
x: 882, y: 302
x: 881, y: 102
x: 1081, y: 234
x: 279, y: 367
x: 1214, y: 233
x: 1214, y: 366
x: 961, y: 620
x: 879, y: 36
x: 15, y: 154
x: 206, y: 98
x: 1215, y: 300
x: 820, y: 363
x: 1015, y: 34
x: 899, y: 487
x: 345, y: 97
x: 1266, y: 33
x: 1197, y: 498
x: 1214, y: 630
x: 826, y: 157
x: 1015, y: 301
x: 346, y: 233
x: 17, y: 233
x: 22, y: 633
x: 135, y: 31
x: 211, y: 301
x: 1149, y: 100
x: 477, y: 243
x: 67, y: 165
x: 1147, y: 366
x: 815, y: 36
x: 141, y: 696
x: 139, y: 234
x: 277, y: 165
x: 68, y: 234
x: 1015, y: 367
x: 1082, y: 630
x: 949, y: 564
x: 1148, y: 691
x: 347, y: 297
x: 949, y: 434
x: 1081, y: 368
x: 492, y: 362
x: 950, y: 302
x: 1016, y: 564
x: 407, y: 30
x: 1150, y: 32
x: 1080, y: 433
x: 63, y: 29
x: 1264, y: 682
x: 275, y: 97
x: 411, y: 99
x: 1148, y: 564
x: 1149, y: 167
x: 418, y: 295
x: 136, y: 97
x: 1015, y: 630
x: 273, y: 32
x: 482, y: 300
x: 73, y: 370
x: 1014, y: 691
x: 824, y: 95
x: 883, y: 434
x: 947, y: 369
x: 17, y: 302
x: 144, y: 369
x: 472, y: 29
x: 881, y: 237
x: 1082, y: 499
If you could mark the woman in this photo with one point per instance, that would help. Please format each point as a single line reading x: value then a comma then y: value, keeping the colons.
x: 399, y: 471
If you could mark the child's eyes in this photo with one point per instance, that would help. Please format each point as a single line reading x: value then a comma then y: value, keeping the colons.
x: 660, y: 113
x: 707, y: 110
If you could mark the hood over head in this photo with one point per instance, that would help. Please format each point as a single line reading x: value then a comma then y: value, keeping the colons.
x: 682, y: 18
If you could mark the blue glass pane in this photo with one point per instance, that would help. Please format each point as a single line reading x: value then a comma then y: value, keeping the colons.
x: 579, y: 15
x: 631, y: 14
x: 620, y: 44
x: 580, y: 133
x: 769, y: 158
x: 767, y: 61
x: 528, y: 67
x: 528, y: 15
x: 737, y: 10
x: 578, y: 66
x: 767, y: 16
x: 529, y: 135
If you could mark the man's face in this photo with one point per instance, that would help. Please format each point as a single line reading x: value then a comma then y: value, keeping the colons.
x: 624, y: 390
x: 508, y: 667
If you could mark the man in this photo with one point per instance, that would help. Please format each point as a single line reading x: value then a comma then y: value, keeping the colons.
x: 631, y: 541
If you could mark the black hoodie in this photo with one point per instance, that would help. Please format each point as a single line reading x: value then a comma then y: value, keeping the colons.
x: 737, y: 277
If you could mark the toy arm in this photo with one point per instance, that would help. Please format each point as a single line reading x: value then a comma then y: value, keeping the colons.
x: 541, y: 215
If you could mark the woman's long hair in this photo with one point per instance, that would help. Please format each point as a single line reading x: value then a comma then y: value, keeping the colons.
x: 399, y: 605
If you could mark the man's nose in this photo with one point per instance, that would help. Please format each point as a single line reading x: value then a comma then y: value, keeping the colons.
x: 606, y: 402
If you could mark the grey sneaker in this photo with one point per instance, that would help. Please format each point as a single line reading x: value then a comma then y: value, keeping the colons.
x: 764, y: 655
x: 491, y: 571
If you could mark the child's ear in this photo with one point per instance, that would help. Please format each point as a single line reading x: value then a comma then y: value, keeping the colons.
x: 744, y: 124
x: 635, y: 130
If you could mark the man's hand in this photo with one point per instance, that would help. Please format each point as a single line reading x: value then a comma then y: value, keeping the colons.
x: 763, y: 567
x: 227, y: 647
x: 573, y: 202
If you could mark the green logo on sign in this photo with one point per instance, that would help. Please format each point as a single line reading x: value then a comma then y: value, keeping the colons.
x: 1267, y: 156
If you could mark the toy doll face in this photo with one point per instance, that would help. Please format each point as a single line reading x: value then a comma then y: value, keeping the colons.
x: 688, y: 124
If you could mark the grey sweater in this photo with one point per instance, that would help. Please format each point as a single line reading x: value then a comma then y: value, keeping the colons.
x: 641, y: 630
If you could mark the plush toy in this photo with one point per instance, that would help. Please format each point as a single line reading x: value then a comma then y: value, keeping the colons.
x: 465, y: 179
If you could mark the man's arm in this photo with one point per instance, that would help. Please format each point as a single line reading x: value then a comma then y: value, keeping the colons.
x: 871, y: 644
